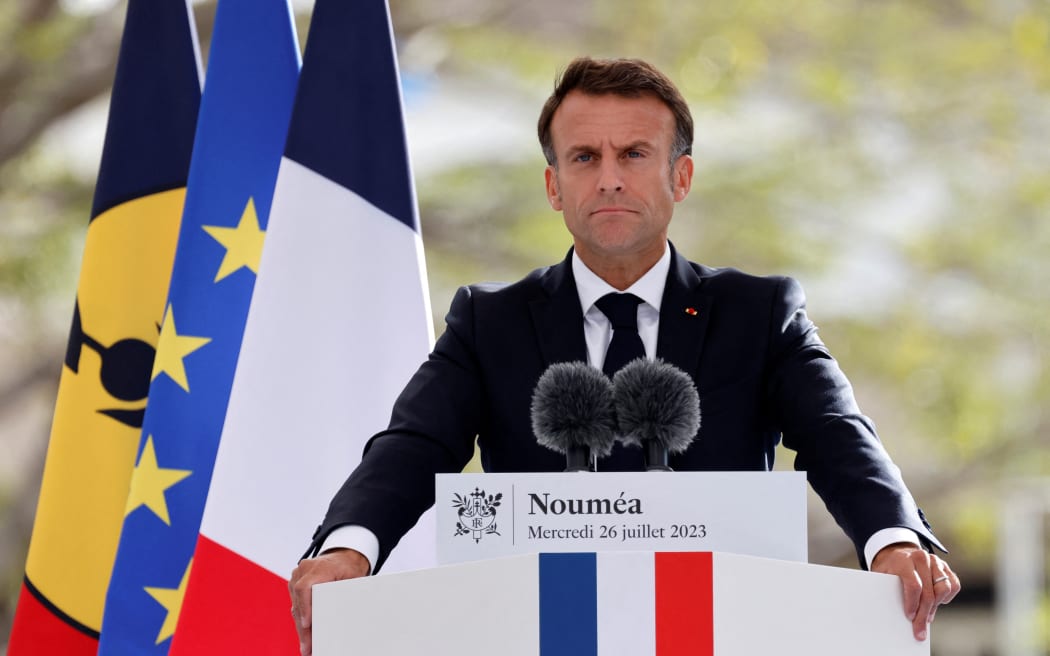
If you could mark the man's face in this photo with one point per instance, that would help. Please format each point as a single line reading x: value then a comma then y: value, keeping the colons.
x: 613, y: 181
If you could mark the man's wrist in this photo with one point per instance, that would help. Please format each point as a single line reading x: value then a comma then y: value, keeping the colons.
x: 884, y: 538
x: 358, y: 538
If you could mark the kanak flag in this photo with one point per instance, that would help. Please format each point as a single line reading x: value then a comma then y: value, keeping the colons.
x: 339, y: 321
x: 128, y: 254
x: 253, y: 66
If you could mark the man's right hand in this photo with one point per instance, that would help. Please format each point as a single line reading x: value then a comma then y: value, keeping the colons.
x: 333, y: 565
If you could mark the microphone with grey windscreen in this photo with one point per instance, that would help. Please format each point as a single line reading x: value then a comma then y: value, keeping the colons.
x: 572, y: 413
x: 657, y: 407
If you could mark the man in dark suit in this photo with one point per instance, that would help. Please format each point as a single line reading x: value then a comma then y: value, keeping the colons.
x: 617, y: 136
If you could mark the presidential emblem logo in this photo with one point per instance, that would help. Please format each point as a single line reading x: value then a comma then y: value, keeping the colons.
x: 476, y: 513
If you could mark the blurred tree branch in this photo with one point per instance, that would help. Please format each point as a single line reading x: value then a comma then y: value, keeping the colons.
x: 55, y: 63
x: 39, y: 82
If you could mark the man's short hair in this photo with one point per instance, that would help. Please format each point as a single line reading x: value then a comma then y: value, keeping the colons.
x: 630, y: 78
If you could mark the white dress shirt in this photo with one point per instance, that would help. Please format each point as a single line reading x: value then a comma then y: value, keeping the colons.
x: 598, y: 334
x: 596, y: 327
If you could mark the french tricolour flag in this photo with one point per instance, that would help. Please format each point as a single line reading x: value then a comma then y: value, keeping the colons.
x: 626, y: 603
x: 339, y: 321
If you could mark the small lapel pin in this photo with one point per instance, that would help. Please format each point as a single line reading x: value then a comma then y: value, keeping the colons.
x: 691, y: 311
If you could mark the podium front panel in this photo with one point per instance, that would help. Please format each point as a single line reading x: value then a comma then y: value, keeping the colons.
x: 585, y: 604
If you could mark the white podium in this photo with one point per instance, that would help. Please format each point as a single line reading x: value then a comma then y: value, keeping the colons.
x: 622, y: 603
x: 630, y: 564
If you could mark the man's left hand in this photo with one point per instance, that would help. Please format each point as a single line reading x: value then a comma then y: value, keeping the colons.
x: 927, y: 582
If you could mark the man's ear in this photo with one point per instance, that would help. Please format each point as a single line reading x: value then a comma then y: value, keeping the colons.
x: 550, y: 176
x: 682, y: 177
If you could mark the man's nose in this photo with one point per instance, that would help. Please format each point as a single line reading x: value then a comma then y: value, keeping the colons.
x: 610, y: 178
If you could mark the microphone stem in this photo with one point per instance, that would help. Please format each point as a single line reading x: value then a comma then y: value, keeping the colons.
x: 656, y: 457
x: 578, y: 458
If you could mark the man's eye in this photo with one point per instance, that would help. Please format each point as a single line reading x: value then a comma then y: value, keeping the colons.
x: 634, y: 154
x: 584, y: 157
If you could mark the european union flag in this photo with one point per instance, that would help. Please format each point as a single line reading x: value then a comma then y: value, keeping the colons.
x: 245, y: 109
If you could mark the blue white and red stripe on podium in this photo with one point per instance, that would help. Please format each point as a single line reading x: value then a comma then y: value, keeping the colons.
x: 626, y: 603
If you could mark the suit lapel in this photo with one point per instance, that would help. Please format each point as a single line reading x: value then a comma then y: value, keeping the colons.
x: 557, y: 316
x: 684, y: 316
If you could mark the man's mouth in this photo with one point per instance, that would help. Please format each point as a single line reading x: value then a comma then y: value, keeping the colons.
x: 613, y: 209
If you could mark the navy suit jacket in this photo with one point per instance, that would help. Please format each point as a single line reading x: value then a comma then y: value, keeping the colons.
x: 762, y: 373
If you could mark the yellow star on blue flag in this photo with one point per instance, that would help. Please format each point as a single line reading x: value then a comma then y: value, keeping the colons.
x: 171, y: 600
x: 243, y: 243
x: 172, y: 348
x: 149, y: 482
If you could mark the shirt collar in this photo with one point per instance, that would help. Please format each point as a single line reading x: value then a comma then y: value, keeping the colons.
x: 649, y: 288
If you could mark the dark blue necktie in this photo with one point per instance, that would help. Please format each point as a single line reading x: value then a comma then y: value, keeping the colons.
x: 626, y: 345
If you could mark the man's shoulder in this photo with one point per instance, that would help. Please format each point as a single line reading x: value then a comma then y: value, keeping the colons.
x: 501, y: 302
x: 733, y: 280
x: 528, y: 286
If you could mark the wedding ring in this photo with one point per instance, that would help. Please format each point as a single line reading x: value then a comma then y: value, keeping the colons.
x: 939, y: 579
